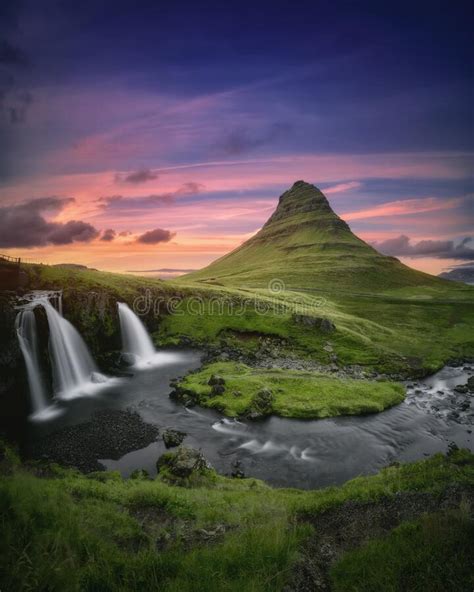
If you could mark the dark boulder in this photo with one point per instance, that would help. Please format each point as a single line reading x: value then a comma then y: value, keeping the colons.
x: 327, y: 326
x: 183, y: 463
x: 237, y: 472
x: 324, y: 325
x: 215, y: 379
x: 173, y: 437
x: 217, y: 389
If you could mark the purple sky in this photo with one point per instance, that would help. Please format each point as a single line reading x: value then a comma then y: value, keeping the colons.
x: 148, y: 135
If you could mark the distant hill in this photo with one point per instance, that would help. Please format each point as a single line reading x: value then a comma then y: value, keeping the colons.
x: 73, y: 266
x: 461, y: 274
x: 305, y: 244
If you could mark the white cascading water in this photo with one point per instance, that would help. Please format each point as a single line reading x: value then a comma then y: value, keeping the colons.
x: 135, y: 338
x: 136, y: 341
x: 28, y: 340
x: 74, y: 371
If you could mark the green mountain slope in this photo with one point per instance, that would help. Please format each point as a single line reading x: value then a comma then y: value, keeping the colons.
x: 304, y: 244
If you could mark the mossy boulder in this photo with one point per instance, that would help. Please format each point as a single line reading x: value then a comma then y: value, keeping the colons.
x: 262, y: 403
x: 183, y: 463
x: 217, y: 389
x: 321, y: 323
x: 215, y: 380
x: 173, y: 437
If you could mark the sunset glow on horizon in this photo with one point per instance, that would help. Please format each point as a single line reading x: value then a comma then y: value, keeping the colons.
x: 169, y: 150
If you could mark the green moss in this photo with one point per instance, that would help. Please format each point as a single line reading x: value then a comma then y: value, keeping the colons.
x: 295, y: 393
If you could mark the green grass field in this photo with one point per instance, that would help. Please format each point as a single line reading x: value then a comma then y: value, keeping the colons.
x: 62, y: 531
x: 413, y: 330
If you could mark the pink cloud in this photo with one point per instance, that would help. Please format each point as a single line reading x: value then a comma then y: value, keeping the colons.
x: 404, y: 207
x: 341, y: 187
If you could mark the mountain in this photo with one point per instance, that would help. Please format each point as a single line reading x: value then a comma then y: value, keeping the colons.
x: 304, y: 244
x: 460, y: 274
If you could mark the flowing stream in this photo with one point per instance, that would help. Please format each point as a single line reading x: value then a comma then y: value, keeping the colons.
x: 288, y: 452
x: 284, y: 452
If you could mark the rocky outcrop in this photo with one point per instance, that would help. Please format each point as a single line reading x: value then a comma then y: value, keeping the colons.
x: 215, y: 379
x: 183, y: 463
x: 173, y: 437
x: 262, y: 404
x: 323, y: 324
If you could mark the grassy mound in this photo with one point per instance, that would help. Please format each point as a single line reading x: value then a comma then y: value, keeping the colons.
x: 292, y: 393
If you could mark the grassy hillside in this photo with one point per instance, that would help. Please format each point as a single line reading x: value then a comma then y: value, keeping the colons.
x: 431, y: 553
x: 66, y: 532
x: 411, y: 329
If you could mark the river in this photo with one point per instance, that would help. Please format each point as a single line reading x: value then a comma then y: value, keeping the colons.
x: 285, y: 452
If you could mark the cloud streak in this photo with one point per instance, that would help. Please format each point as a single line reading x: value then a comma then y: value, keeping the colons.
x: 404, y: 207
x: 441, y: 249
x: 341, y: 187
x: 244, y: 139
x: 121, y: 202
x: 137, y: 177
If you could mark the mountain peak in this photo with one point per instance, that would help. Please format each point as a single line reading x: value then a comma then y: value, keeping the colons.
x: 304, y: 244
x: 302, y: 198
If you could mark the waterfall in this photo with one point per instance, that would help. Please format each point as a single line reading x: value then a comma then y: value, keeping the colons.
x: 135, y: 338
x: 28, y: 339
x: 137, y: 344
x: 73, y: 367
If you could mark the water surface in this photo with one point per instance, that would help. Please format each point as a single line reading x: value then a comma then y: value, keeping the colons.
x: 287, y: 452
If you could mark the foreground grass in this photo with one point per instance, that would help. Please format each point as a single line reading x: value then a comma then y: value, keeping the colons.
x: 433, y: 553
x: 68, y: 532
x: 294, y: 393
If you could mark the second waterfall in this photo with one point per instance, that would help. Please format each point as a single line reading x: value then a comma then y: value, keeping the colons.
x: 137, y: 344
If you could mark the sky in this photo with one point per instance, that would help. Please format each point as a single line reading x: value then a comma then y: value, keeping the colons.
x: 139, y: 136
